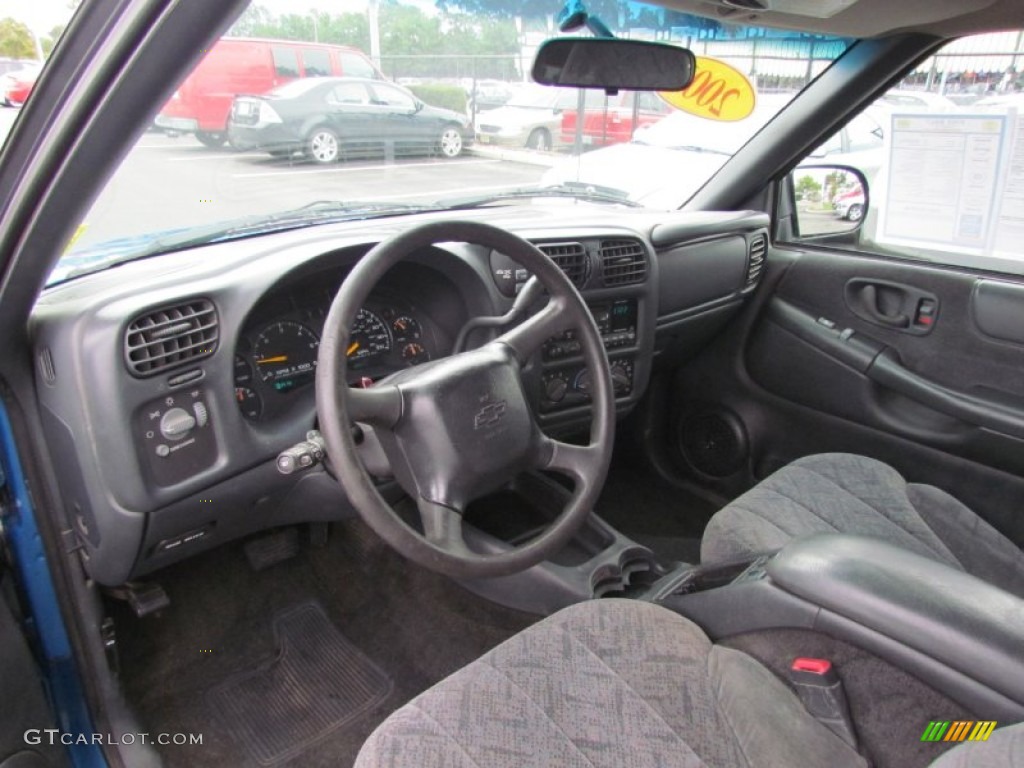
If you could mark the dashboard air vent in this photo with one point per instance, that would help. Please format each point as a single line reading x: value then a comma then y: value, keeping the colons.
x: 624, y: 262
x: 164, y: 338
x: 571, y: 259
x: 755, y: 258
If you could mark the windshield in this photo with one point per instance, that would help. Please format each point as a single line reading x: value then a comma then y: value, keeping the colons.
x: 412, y: 119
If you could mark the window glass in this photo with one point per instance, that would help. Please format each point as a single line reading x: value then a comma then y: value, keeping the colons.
x: 386, y: 96
x: 286, y: 63
x: 354, y: 65
x: 475, y: 64
x: 316, y: 62
x: 349, y: 93
x: 943, y: 155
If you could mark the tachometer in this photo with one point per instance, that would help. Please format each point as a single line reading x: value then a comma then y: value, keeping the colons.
x: 370, y: 339
x: 285, y: 354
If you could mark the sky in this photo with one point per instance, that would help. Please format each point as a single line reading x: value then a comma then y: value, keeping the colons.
x: 39, y: 15
x: 43, y: 15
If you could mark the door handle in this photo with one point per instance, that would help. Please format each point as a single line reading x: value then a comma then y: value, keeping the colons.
x: 869, y: 303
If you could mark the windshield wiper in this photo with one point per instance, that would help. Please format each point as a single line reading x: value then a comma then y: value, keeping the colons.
x: 575, y: 190
x: 106, y: 255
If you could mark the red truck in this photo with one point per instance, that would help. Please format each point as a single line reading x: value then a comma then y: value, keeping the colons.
x: 238, y: 65
x: 613, y: 119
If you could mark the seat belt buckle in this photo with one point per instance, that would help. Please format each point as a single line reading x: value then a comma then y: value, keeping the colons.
x: 818, y: 685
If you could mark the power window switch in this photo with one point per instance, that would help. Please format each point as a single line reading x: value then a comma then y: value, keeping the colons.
x: 926, y: 309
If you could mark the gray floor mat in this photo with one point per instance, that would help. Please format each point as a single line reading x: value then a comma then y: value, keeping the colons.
x: 317, y: 683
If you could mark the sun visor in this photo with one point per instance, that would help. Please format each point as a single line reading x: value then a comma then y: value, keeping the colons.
x: 818, y: 9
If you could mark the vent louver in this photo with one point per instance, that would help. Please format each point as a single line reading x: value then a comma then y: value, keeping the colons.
x: 624, y: 262
x: 167, y: 337
x: 571, y: 258
x: 755, y: 258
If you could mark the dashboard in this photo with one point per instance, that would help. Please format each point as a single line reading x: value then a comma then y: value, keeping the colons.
x: 276, y: 351
x: 170, y: 385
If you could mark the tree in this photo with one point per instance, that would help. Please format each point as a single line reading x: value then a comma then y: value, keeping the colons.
x: 834, y: 181
x: 807, y: 188
x: 51, y: 38
x: 16, y: 40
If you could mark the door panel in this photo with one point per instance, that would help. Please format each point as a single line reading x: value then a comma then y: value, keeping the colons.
x: 24, y: 712
x: 818, y: 363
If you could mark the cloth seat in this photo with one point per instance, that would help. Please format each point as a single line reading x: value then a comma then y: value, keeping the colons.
x: 613, y: 683
x: 845, y: 493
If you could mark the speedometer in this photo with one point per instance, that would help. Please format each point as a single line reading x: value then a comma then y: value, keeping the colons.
x: 285, y: 354
x: 370, y: 339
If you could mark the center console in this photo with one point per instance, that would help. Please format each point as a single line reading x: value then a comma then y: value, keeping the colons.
x: 566, y: 381
x: 960, y: 634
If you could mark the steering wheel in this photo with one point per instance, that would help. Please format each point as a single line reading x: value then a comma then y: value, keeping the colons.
x: 459, y: 427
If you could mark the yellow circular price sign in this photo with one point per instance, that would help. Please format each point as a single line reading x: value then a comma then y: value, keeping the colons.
x: 718, y: 92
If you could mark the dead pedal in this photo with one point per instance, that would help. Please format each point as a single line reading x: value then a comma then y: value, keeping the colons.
x: 274, y: 548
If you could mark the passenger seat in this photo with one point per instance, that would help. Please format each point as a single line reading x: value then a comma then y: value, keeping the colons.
x: 845, y: 493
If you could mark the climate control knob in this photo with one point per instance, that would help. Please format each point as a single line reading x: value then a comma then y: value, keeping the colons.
x: 176, y: 423
x: 555, y: 389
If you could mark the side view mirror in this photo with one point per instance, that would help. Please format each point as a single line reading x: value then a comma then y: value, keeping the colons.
x: 417, y: 106
x: 831, y: 201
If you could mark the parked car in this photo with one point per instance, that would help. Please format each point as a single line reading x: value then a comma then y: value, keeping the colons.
x: 850, y: 204
x: 531, y: 118
x: 918, y: 99
x: 483, y: 95
x: 666, y: 162
x: 612, y: 119
x: 238, y: 65
x: 326, y: 118
x: 16, y: 85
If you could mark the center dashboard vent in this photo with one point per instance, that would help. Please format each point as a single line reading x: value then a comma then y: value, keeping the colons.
x: 167, y: 337
x: 624, y: 262
x: 755, y: 258
x: 571, y: 258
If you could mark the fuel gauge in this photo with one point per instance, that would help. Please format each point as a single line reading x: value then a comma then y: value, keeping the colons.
x: 413, y: 353
x: 249, y: 403
x: 405, y: 328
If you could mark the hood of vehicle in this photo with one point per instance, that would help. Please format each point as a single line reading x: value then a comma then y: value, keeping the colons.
x: 656, y: 177
x: 516, y: 116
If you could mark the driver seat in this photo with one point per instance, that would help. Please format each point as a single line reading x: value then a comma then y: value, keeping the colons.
x: 623, y: 683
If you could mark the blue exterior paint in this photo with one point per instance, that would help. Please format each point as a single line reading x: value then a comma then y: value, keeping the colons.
x: 60, y: 672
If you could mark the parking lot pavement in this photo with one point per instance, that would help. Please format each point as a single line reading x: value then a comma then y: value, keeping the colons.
x: 823, y: 222
x: 204, y: 186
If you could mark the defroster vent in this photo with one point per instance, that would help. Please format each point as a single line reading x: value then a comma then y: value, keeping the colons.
x: 167, y: 337
x: 755, y: 259
x: 571, y: 259
x: 623, y: 262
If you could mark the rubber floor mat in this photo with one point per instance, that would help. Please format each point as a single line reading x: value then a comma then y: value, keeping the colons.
x: 316, y: 684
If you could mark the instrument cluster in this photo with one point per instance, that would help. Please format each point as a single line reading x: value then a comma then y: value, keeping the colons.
x: 276, y: 354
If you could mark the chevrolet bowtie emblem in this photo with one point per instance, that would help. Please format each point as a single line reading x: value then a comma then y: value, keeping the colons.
x: 490, y: 414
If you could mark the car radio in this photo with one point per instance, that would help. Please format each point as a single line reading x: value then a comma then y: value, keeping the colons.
x: 616, y: 322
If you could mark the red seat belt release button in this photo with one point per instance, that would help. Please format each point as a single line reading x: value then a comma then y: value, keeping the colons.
x: 821, y: 690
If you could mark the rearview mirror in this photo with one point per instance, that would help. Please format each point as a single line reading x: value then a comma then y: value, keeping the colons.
x: 612, y: 64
